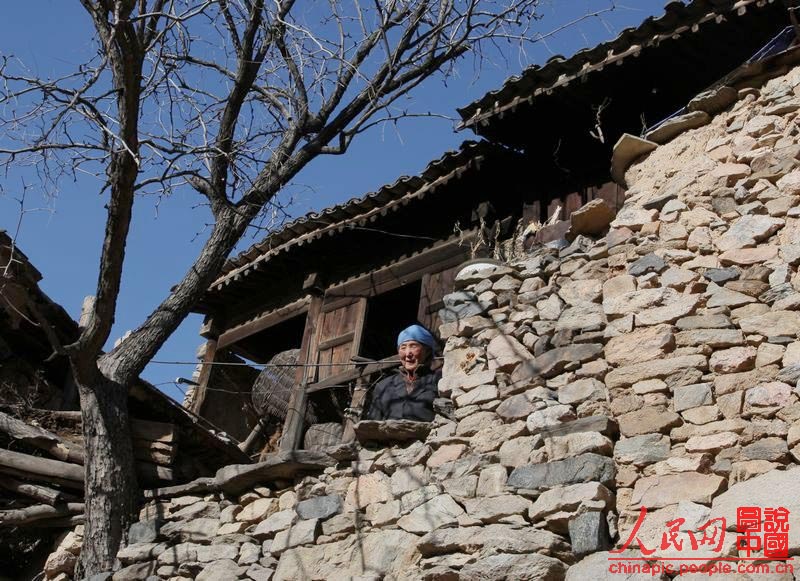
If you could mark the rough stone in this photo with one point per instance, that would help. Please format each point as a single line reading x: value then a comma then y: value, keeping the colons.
x: 630, y: 374
x: 560, y: 447
x: 588, y: 533
x: 525, y: 567
x: 641, y: 345
x: 647, y: 420
x: 692, y: 396
x: 60, y: 562
x: 581, y: 390
x: 223, y: 570
x: 276, y: 522
x: 674, y: 126
x: 367, y: 489
x: 775, y: 488
x: 554, y: 361
x: 747, y: 231
x: 320, y: 507
x: 556, y: 503
x: 378, y: 554
x: 304, y: 532
x: 647, y: 264
x: 439, y: 511
x: 773, y: 323
x: 748, y: 256
x: 772, y: 449
x: 714, y: 338
x: 591, y: 219
x: 585, y: 468
x: 200, y: 529
x: 549, y: 416
x: 735, y: 359
x: 711, y: 442
x: 258, y: 510
x: 491, y: 537
x: 505, y: 353
x: 661, y: 491
x: 642, y: 450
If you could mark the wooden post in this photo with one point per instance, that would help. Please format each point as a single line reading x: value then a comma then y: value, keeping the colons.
x: 354, y: 412
x: 210, y: 332
x: 292, y: 437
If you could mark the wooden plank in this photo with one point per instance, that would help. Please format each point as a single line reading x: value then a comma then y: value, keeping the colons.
x: 263, y: 321
x: 152, y: 431
x: 353, y: 374
x: 336, y: 341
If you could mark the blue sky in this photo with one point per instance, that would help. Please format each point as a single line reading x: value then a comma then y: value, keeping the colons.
x: 61, y: 231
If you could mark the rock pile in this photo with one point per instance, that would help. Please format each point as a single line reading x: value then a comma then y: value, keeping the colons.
x: 656, y: 367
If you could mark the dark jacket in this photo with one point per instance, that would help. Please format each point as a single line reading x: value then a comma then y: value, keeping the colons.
x: 391, y: 400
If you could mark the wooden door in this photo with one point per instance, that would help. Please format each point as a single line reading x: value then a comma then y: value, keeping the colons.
x: 341, y: 323
x: 434, y: 287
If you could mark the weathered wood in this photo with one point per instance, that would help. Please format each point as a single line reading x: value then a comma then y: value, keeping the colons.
x: 152, y: 431
x: 205, y: 373
x: 27, y: 464
x: 236, y: 478
x: 37, y: 492
x: 147, y: 454
x: 444, y: 255
x: 354, y: 413
x: 199, y: 486
x: 292, y: 433
x: 41, y: 439
x: 25, y: 516
x: 251, y: 439
x: 66, y: 522
x: 151, y: 473
x: 353, y: 374
x: 73, y: 485
x: 263, y: 321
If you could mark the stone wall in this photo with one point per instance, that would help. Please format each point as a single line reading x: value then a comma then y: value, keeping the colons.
x: 655, y: 367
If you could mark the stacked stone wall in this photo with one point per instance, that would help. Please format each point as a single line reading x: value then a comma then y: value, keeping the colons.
x: 655, y: 367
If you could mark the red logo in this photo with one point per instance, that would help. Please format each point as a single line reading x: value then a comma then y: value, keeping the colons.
x: 762, y: 534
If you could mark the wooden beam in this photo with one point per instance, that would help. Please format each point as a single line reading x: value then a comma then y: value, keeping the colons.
x: 41, y: 439
x: 353, y: 374
x: 263, y: 321
x: 41, y: 493
x: 205, y: 374
x: 444, y: 255
x: 292, y: 435
x: 153, y: 431
x: 27, y: 464
x: 336, y: 341
x: 26, y: 516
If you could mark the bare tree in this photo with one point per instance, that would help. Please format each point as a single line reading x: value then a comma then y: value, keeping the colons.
x: 232, y: 98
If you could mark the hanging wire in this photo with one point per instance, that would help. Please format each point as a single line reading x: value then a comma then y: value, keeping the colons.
x: 272, y: 365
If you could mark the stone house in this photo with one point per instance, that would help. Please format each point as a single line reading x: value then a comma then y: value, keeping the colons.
x: 293, y: 296
x: 615, y: 399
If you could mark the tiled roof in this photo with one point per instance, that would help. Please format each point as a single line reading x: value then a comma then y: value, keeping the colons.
x: 678, y: 18
x: 358, y: 211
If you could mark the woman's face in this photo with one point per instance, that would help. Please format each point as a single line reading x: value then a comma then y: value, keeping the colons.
x: 412, y: 355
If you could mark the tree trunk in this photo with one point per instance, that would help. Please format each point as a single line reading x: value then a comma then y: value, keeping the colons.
x: 111, y: 488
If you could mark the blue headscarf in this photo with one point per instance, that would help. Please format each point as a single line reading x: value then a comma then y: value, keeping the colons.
x: 419, y: 334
